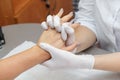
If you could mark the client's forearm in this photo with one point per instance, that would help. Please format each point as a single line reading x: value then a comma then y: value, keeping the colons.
x: 84, y: 37
x: 12, y: 66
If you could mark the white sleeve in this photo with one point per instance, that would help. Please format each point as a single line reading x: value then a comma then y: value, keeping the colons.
x: 22, y: 47
x: 85, y: 15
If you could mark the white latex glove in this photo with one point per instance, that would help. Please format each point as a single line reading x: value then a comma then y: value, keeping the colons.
x: 62, y: 59
x: 67, y: 34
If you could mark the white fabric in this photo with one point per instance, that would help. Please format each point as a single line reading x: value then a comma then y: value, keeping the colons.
x: 22, y: 47
x: 40, y: 72
x: 62, y: 59
x: 103, y: 18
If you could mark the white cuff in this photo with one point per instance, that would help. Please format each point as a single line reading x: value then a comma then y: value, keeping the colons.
x: 88, y: 61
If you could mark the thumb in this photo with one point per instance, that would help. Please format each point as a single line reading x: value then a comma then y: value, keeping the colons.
x: 46, y: 47
x: 52, y: 50
x: 70, y: 47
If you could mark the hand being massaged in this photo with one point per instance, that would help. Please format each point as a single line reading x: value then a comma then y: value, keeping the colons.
x: 61, y: 25
x: 61, y: 59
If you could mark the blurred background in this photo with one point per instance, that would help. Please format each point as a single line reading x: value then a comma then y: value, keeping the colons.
x: 15, y: 12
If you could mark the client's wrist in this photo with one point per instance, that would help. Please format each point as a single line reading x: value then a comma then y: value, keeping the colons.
x: 41, y: 54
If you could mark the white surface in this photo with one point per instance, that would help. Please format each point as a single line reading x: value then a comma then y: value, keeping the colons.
x: 26, y: 32
x: 40, y: 72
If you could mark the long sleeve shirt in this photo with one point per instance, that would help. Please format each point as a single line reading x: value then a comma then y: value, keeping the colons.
x: 103, y: 18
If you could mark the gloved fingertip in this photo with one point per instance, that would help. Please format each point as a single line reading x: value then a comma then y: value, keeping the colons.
x: 51, y: 24
x: 44, y: 25
x: 42, y: 45
x: 49, y: 16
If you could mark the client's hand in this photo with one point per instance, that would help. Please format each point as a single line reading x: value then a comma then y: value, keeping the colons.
x: 65, y: 60
x: 52, y: 37
x: 61, y: 25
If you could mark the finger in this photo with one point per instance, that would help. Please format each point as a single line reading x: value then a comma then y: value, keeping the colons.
x: 52, y: 50
x: 63, y: 33
x: 44, y: 25
x: 46, y: 47
x: 50, y: 21
x: 71, y: 47
x: 67, y: 17
x: 60, y: 12
x: 75, y: 25
x: 57, y: 23
x: 70, y: 33
x: 70, y: 40
x: 68, y: 29
x: 67, y: 33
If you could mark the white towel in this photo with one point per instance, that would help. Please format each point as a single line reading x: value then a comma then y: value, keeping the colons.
x: 40, y: 72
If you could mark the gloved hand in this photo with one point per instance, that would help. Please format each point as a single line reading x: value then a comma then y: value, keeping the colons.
x: 61, y: 59
x: 67, y: 33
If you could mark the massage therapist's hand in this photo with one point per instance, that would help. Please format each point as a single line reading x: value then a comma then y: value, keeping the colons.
x: 61, y: 59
